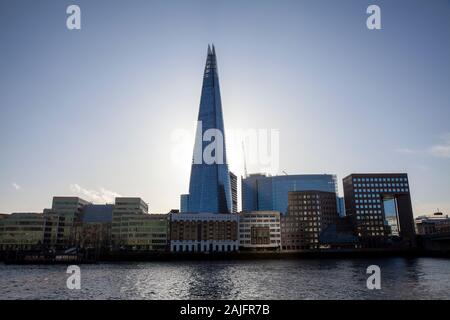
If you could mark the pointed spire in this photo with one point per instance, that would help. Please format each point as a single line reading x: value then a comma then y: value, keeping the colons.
x: 213, y: 49
x: 209, y: 185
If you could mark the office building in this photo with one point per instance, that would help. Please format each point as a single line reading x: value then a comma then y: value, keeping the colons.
x: 209, y: 187
x: 204, y: 232
x: 140, y: 232
x: 134, y: 229
x: 259, y: 231
x: 53, y: 233
x: 62, y: 221
x: 379, y: 207
x: 261, y: 192
x: 21, y: 231
x: 95, y: 230
x: 309, y: 213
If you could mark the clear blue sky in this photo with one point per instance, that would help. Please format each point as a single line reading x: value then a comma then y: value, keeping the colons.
x: 91, y: 112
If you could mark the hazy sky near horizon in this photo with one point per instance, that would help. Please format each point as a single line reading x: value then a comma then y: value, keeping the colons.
x: 93, y: 112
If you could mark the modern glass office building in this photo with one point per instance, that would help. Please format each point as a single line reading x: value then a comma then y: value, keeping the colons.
x: 209, y: 187
x: 261, y: 192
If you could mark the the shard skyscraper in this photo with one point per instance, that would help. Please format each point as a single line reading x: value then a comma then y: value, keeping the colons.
x: 209, y: 187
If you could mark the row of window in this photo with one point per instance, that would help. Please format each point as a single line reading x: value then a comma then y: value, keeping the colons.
x: 204, y: 248
x: 140, y: 235
x: 368, y: 201
x: 358, y: 212
x: 272, y: 235
x: 386, y: 179
x: 382, y: 190
x: 273, y: 229
x: 380, y: 185
x: 308, y: 215
x: 368, y: 206
x: 249, y: 242
x: 258, y: 220
x: 367, y: 195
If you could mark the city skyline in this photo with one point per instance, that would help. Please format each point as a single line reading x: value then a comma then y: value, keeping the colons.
x: 76, y: 118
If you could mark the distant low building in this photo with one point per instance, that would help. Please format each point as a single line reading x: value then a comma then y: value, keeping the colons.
x: 259, y: 231
x: 204, y: 232
x: 434, y: 224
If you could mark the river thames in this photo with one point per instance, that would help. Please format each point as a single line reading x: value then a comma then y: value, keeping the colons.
x: 401, y: 278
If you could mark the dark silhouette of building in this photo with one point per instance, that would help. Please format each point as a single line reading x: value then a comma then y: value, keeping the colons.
x: 339, y: 235
x: 379, y: 207
x: 309, y: 213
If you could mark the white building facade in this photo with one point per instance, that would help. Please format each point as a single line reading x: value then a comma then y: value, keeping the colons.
x: 260, y: 231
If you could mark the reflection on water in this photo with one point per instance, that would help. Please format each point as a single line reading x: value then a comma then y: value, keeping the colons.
x: 421, y: 278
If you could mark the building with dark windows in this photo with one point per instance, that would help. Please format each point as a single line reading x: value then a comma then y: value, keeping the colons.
x: 309, y: 213
x: 142, y: 232
x: 339, y: 235
x: 261, y: 192
x: 209, y: 187
x: 379, y: 207
x: 234, y: 198
x: 203, y: 232
x: 21, y: 231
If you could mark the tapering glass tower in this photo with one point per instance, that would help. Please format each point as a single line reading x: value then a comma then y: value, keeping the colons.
x: 209, y: 187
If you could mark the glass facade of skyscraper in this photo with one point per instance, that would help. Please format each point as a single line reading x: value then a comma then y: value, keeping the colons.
x: 209, y: 188
x: 260, y: 192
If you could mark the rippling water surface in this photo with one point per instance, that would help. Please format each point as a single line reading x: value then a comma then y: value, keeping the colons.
x: 419, y: 278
